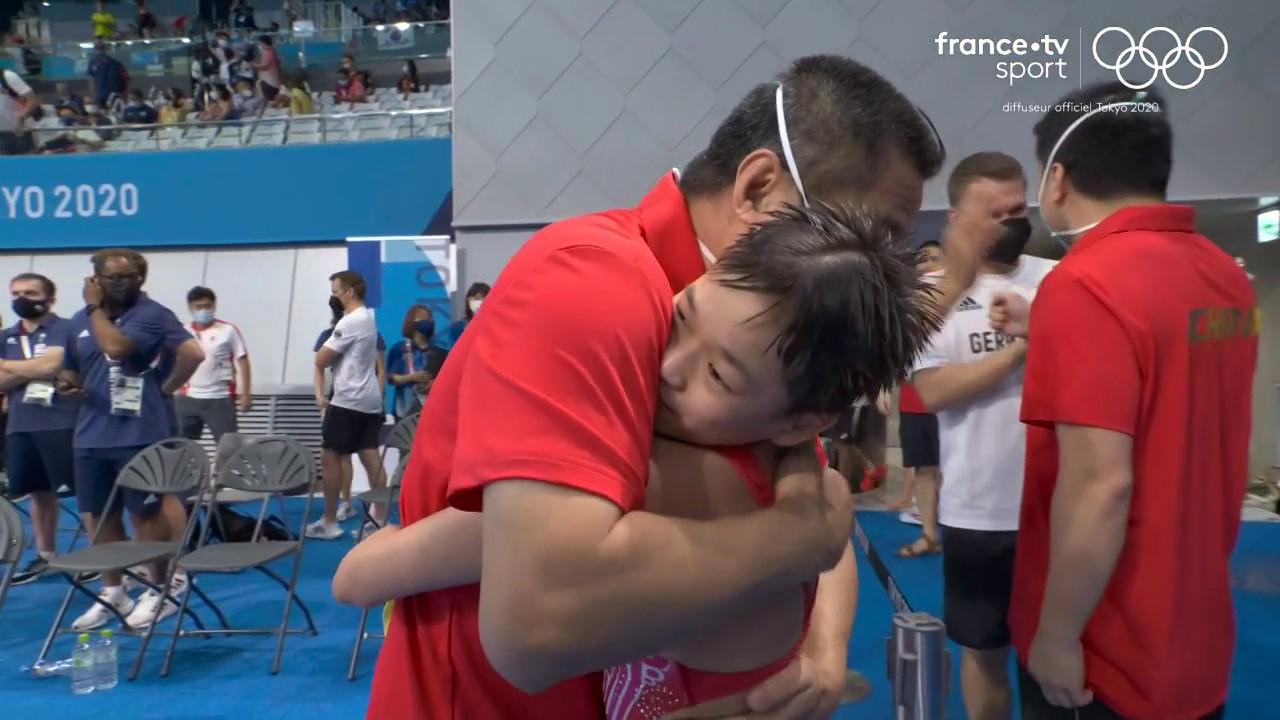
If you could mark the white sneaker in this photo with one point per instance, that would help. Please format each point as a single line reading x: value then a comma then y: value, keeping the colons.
x: 369, y: 529
x: 318, y: 530
x: 153, y: 607
x: 97, y: 616
x: 910, y: 517
x: 142, y: 570
x: 345, y: 512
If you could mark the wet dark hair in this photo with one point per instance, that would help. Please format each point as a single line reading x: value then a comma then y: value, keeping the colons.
x: 842, y: 117
x: 1112, y: 154
x: 50, y: 290
x: 857, y: 314
x: 200, y: 292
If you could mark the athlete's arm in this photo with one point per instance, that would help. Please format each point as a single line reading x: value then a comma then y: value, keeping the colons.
x: 189, y: 355
x: 948, y: 386
x: 439, y: 551
x: 970, y: 234
x: 1087, y: 522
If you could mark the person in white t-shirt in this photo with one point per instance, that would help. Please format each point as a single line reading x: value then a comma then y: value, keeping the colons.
x: 971, y: 377
x: 17, y: 104
x: 353, y: 417
x: 223, y: 384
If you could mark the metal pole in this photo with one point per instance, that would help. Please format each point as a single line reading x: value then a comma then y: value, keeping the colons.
x: 919, y: 667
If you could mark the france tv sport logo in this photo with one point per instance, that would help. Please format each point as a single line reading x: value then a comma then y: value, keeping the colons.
x: 1027, y: 54
x: 1160, y: 65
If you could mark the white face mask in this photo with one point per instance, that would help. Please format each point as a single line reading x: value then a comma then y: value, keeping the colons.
x: 1062, y: 235
x: 475, y: 305
x: 202, y: 317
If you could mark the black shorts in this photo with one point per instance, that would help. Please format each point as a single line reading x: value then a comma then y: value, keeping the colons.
x: 96, y: 473
x: 40, y: 461
x: 977, y: 582
x: 269, y: 92
x: 349, y: 431
x: 918, y: 436
x: 1036, y: 707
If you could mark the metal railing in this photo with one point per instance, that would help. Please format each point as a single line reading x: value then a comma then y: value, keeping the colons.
x: 261, y: 131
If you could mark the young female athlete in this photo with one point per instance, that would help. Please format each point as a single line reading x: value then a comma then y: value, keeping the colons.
x: 802, y: 316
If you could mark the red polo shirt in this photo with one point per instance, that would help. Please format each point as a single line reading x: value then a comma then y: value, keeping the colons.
x: 1148, y: 329
x: 555, y: 380
x: 909, y: 401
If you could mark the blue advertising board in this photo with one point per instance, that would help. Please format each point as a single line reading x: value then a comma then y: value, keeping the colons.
x: 241, y: 196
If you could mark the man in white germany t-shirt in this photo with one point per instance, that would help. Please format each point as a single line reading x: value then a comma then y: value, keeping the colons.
x: 971, y: 377
x: 353, y: 417
x: 223, y: 383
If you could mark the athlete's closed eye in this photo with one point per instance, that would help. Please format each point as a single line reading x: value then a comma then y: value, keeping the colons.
x: 717, y: 378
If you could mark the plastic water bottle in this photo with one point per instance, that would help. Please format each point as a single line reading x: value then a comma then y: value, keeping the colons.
x: 82, y: 666
x: 106, y: 664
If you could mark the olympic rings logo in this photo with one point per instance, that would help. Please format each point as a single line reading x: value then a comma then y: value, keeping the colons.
x: 1160, y: 66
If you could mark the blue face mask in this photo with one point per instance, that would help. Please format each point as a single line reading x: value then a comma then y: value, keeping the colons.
x: 426, y: 327
x: 202, y: 317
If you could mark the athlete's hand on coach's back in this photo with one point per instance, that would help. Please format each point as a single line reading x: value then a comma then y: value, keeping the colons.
x: 819, y: 500
x: 1010, y: 313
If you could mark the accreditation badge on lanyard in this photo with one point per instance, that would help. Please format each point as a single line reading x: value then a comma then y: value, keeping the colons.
x: 38, y: 392
x: 126, y: 392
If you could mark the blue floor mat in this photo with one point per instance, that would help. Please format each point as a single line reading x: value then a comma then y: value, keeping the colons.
x: 227, y: 678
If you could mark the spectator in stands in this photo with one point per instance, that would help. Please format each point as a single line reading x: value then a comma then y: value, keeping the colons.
x: 104, y: 23
x: 77, y: 137
x: 247, y: 103
x: 475, y: 297
x: 300, y: 102
x: 66, y: 98
x: 270, y: 75
x: 353, y: 418
x: 242, y: 16
x: 379, y: 11
x: 107, y: 76
x: 41, y: 421
x: 129, y: 357
x: 147, y: 23
x: 409, y: 79
x: 139, y: 111
x: 223, y: 383
x: 17, y: 104
x: 175, y: 108
x: 225, y: 55
x: 351, y: 87
x: 222, y: 107
x: 412, y: 365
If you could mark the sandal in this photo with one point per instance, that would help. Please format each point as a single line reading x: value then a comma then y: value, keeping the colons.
x: 924, y: 545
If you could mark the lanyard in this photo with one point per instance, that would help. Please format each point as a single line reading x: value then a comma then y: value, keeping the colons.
x: 25, y: 341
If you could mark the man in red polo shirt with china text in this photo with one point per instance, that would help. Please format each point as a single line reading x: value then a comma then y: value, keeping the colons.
x: 1142, y: 346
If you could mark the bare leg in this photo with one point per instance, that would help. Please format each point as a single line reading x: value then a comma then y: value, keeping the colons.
x: 346, y: 478
x: 112, y: 531
x: 908, y: 490
x: 984, y: 680
x: 371, y: 459
x: 928, y: 484
x: 333, y: 482
x: 44, y: 521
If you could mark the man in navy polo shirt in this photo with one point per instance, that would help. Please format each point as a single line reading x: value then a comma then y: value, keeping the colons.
x: 129, y: 356
x: 41, y: 421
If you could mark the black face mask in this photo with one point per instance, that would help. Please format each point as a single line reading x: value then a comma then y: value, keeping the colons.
x: 1017, y: 231
x: 28, y: 309
x: 335, y: 305
x: 121, y: 293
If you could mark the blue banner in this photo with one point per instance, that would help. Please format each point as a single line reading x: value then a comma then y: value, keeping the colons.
x: 242, y: 196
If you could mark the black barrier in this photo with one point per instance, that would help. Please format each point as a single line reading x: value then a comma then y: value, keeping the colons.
x: 896, y: 596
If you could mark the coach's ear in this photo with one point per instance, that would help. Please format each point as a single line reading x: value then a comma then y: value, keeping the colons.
x: 804, y: 427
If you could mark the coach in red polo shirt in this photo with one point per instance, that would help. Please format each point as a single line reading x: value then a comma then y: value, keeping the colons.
x: 546, y: 424
x: 1139, y: 371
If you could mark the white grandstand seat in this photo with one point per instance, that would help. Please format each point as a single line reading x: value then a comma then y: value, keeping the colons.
x: 401, y: 121
x: 403, y: 132
x: 309, y: 125
x: 297, y: 138
x: 135, y: 135
x: 377, y: 122
x: 376, y: 134
x: 201, y: 132
x: 260, y: 139
x: 226, y: 140
x: 275, y: 112
x: 169, y: 132
x: 191, y: 143
x: 118, y: 146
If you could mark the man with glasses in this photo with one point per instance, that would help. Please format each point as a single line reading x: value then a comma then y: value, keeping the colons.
x: 128, y: 356
x: 553, y: 442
